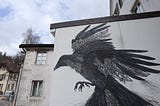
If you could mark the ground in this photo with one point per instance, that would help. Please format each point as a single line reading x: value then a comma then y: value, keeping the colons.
x: 4, y: 103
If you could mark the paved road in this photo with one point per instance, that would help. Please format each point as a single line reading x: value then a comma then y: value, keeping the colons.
x: 4, y: 103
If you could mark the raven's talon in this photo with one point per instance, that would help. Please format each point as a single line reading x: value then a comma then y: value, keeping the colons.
x: 81, y: 84
x: 80, y: 87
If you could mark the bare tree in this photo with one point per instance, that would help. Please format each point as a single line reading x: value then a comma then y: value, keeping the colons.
x: 19, y: 57
x: 2, y: 56
x: 30, y: 37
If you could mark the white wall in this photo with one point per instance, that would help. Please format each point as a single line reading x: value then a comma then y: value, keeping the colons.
x: 64, y: 78
x: 151, y: 5
x: 147, y: 6
x: 133, y: 34
x: 144, y: 34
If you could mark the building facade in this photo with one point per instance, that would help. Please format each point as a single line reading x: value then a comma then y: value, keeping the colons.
x: 35, y: 79
x: 8, y: 77
x: 136, y: 31
x: 121, y: 7
x: 4, y: 75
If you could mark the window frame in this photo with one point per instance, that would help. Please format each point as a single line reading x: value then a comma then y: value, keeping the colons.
x: 1, y: 87
x: 120, y: 2
x: 8, y: 86
x: 137, y: 7
x: 116, y: 10
x: 39, y: 59
x: 10, y: 76
x: 39, y: 91
x: 12, y: 87
x: 2, y: 77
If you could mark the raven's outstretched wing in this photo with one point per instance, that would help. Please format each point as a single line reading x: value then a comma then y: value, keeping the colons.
x: 123, y: 63
x: 118, y: 63
x: 97, y: 33
x: 87, y: 33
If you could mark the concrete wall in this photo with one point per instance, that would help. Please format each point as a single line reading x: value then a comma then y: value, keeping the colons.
x: 31, y: 72
x: 133, y: 34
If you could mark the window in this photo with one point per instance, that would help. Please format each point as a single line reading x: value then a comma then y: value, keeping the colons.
x: 116, y: 11
x: 41, y: 58
x: 10, y: 76
x: 15, y: 76
x: 12, y: 87
x: 137, y: 8
x: 120, y: 3
x: 2, y: 76
x: 36, y: 89
x: 1, y: 86
x: 8, y: 87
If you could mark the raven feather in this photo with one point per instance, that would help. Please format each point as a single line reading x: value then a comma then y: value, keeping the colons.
x: 97, y: 60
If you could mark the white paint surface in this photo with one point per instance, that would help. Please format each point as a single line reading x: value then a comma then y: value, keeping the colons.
x: 133, y: 34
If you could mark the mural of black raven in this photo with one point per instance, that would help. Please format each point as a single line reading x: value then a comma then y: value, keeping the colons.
x: 97, y: 60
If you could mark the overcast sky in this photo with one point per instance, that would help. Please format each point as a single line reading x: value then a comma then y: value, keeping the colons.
x: 18, y: 15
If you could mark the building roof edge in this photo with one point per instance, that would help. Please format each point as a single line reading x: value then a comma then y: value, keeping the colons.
x: 35, y: 45
x: 105, y: 19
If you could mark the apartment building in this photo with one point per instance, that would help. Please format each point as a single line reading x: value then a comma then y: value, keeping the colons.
x: 35, y: 79
x: 121, y: 7
x: 8, y: 77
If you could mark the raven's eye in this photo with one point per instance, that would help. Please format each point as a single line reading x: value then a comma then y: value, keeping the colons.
x: 73, y: 40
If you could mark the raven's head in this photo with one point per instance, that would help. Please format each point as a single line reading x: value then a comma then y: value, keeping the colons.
x: 69, y: 60
x: 62, y: 61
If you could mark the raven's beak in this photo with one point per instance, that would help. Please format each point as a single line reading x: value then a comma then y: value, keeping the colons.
x: 56, y: 67
x: 60, y: 63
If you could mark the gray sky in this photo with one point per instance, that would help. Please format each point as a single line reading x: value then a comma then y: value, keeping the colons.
x: 18, y: 15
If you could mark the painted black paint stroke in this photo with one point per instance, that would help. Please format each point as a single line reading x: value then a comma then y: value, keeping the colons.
x: 97, y: 60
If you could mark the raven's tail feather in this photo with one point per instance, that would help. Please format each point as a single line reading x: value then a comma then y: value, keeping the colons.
x: 102, y: 98
x: 115, y: 94
x: 97, y: 98
x: 124, y: 96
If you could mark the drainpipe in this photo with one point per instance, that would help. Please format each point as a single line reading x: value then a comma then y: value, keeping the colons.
x: 17, y: 87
